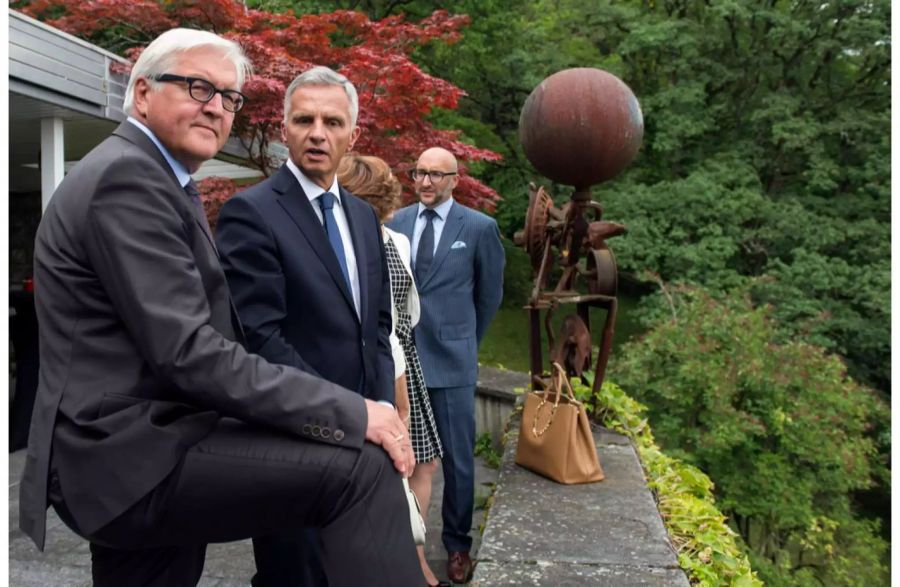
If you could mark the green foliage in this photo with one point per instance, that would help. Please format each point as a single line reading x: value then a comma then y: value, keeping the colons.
x: 708, y: 550
x: 517, y: 279
x: 779, y: 427
x: 505, y: 342
x: 764, y: 154
x: 484, y: 448
x: 829, y: 279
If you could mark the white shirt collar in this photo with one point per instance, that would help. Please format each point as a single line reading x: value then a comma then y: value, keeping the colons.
x: 310, y: 188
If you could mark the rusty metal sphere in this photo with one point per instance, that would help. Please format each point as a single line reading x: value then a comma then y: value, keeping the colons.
x: 581, y: 127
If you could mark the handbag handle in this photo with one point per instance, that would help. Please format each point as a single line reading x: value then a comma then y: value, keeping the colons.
x: 557, y: 379
x: 570, y: 394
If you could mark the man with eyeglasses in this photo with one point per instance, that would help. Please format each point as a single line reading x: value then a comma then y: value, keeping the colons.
x: 154, y: 430
x: 203, y: 91
x: 458, y: 265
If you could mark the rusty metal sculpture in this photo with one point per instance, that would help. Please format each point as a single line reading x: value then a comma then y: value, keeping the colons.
x: 579, y: 127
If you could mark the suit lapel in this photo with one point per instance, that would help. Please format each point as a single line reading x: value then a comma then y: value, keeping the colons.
x: 133, y: 134
x: 203, y: 223
x: 452, y: 227
x: 293, y: 200
x: 407, y: 223
x: 355, y: 217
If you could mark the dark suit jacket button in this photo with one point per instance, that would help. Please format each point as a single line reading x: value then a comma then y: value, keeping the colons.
x: 339, y: 435
x: 316, y: 430
x: 307, y: 429
x: 326, y: 431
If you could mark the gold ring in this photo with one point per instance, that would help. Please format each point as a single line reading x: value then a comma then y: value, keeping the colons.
x: 399, y: 437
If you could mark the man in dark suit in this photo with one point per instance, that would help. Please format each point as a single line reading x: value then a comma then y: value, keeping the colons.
x: 154, y: 431
x: 458, y: 264
x: 309, y: 277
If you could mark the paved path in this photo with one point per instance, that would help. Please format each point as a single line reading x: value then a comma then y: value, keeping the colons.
x: 66, y: 561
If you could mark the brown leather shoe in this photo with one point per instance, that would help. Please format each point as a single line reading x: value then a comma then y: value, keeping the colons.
x: 459, y: 567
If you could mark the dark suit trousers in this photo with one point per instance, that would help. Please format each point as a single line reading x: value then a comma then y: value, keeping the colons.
x: 289, y: 560
x: 293, y: 559
x: 243, y: 481
x: 454, y: 415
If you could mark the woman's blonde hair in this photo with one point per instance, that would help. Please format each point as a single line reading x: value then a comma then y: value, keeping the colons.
x: 370, y: 178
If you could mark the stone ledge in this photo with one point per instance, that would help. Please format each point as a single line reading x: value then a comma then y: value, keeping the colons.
x: 539, y: 532
x: 500, y: 383
x: 491, y: 574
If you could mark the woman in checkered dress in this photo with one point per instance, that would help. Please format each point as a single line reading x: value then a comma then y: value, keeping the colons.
x: 370, y: 178
x: 422, y: 429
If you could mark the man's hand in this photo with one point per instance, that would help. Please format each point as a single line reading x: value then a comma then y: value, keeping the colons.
x: 387, y: 431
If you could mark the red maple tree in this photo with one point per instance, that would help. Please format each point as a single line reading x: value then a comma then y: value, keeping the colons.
x: 395, y: 95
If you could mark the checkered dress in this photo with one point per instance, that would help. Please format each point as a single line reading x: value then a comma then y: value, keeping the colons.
x: 422, y: 429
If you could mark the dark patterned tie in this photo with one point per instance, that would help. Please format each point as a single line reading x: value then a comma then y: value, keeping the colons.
x: 326, y: 202
x: 425, y: 252
x: 200, y: 213
x: 191, y: 190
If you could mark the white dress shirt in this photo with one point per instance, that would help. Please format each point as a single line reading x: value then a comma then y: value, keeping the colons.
x: 442, y: 210
x: 313, y: 191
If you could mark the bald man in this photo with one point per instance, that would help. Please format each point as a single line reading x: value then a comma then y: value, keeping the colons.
x: 458, y: 264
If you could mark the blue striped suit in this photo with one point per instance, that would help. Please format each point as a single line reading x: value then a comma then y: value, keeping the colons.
x: 458, y: 296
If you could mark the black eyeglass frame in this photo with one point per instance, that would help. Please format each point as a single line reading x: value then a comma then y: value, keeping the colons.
x: 414, y: 174
x: 232, y: 95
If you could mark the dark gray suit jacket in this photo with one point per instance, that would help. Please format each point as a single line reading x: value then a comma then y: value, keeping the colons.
x: 138, y: 351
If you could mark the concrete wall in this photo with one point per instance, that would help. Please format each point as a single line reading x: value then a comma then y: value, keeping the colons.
x: 495, y: 399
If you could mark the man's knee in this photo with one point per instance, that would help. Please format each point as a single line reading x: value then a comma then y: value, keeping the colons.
x: 374, y: 482
x: 373, y: 466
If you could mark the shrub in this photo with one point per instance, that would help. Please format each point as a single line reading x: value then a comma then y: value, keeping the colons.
x: 778, y: 426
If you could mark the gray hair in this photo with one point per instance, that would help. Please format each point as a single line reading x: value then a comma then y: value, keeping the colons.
x: 323, y: 76
x: 162, y: 53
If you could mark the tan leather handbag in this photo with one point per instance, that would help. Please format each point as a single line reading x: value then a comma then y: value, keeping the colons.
x: 555, y: 439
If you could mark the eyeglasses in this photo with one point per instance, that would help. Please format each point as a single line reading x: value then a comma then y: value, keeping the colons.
x: 434, y: 176
x: 202, y: 90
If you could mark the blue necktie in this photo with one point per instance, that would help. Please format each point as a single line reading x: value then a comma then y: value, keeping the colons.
x: 425, y: 252
x: 326, y: 201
